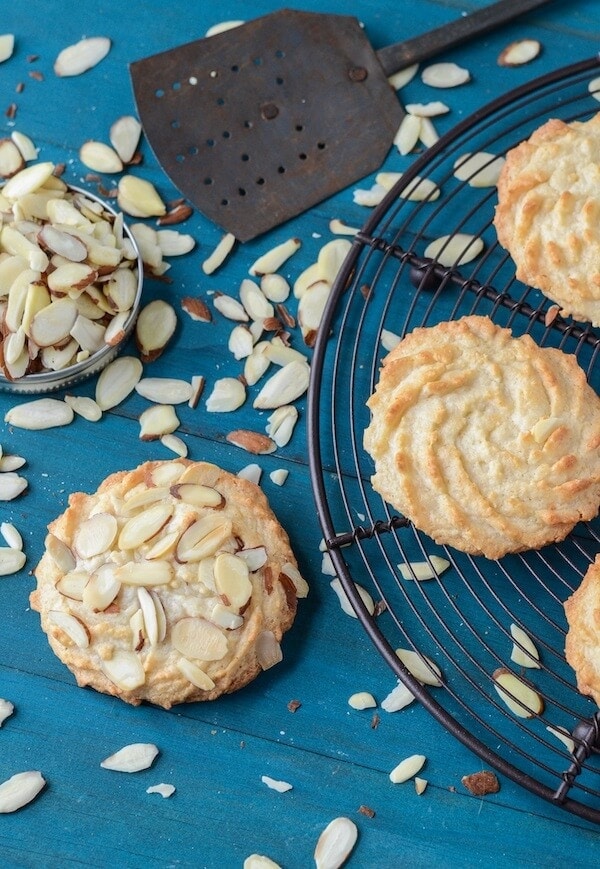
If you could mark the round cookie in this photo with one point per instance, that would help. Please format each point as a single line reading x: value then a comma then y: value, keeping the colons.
x: 486, y: 442
x: 173, y: 582
x: 582, y: 643
x: 548, y: 214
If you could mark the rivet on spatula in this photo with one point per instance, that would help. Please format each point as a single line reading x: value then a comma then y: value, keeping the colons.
x: 269, y: 111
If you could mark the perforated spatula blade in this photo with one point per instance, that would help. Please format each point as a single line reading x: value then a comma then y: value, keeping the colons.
x: 260, y: 123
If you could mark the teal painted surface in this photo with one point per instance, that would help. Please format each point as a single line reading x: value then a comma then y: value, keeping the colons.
x: 215, y: 754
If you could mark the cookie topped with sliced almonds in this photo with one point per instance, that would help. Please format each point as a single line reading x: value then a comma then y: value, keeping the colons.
x: 173, y: 582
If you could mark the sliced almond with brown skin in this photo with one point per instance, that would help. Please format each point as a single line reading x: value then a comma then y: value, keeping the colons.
x: 519, y: 52
x: 83, y: 55
x: 203, y: 538
x: 177, y: 214
x: 52, y: 325
x: 154, y: 329
x: 124, y: 136
x: 198, y: 495
x: 268, y: 650
x: 232, y: 579
x: 197, y: 309
x: 11, y: 159
x: 252, y: 441
x: 199, y: 639
x: 143, y: 526
x: 75, y: 630
x: 143, y: 497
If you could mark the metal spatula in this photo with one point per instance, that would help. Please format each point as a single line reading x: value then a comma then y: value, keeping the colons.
x: 259, y: 123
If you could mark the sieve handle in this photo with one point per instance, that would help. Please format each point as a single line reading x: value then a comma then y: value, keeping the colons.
x: 396, y: 57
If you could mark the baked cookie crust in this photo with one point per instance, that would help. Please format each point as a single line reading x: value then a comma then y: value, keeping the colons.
x: 486, y: 442
x: 173, y: 582
x: 582, y: 643
x: 548, y: 214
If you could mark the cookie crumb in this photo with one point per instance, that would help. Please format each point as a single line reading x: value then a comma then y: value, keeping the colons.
x: 481, y: 783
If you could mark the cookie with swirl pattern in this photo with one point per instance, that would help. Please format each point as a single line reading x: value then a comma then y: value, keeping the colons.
x: 548, y: 214
x: 485, y: 441
x: 582, y: 643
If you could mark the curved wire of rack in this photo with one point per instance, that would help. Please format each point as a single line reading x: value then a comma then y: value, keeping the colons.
x: 461, y: 620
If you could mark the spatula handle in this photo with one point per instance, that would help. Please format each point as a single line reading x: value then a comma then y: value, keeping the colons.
x: 403, y: 54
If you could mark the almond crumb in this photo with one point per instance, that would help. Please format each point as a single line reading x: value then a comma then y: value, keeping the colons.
x: 294, y: 705
x: 366, y: 811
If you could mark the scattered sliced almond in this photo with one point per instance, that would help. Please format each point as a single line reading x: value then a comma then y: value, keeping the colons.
x: 165, y: 790
x: 408, y: 133
x: 197, y: 309
x: 228, y: 394
x: 154, y: 329
x: 427, y: 110
x: 219, y: 254
x: 594, y: 88
x: 428, y: 135
x: 100, y: 157
x: 563, y: 735
x: 6, y: 710
x: 276, y: 785
x: 420, y: 785
x: 124, y: 136
x: 519, y: 697
x: 288, y: 384
x: 132, y: 758
x: 25, y: 145
x: 275, y: 288
x: 423, y: 570
x: 279, y: 476
x: 252, y: 472
x: 251, y: 441
x: 520, y: 52
x: 345, y: 601
x: 524, y: 652
x: 340, y: 228
x: 175, y: 444
x: 480, y: 169
x: 174, y: 243
x: 445, y: 75
x: 39, y: 414
x: 417, y: 190
x: 335, y: 843
x: 362, y: 700
x: 421, y: 667
x: 259, y: 861
x: 83, y: 55
x: 139, y: 198
x: 407, y: 768
x: 398, y: 698
x: 11, y: 535
x: 281, y: 424
x: 273, y: 259
x: 11, y: 159
x: 164, y: 390
x: 84, y: 407
x: 7, y: 45
x: 230, y: 307
x: 454, y: 250
x: 19, y: 790
x: 401, y: 78
x: 117, y: 381
x: 11, y: 560
x: 158, y: 420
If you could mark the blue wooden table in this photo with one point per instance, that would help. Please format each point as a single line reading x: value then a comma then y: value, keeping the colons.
x: 294, y: 722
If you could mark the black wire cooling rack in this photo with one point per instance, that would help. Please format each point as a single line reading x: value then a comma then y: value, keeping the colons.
x: 461, y: 619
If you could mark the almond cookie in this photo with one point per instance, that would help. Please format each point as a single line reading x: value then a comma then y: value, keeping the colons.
x: 548, y: 214
x: 173, y: 582
x: 582, y: 643
x: 488, y: 443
